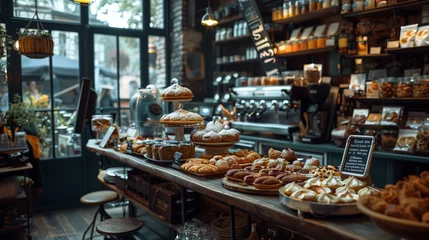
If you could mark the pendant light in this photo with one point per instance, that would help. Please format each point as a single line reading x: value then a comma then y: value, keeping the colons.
x: 83, y: 2
x: 209, y: 19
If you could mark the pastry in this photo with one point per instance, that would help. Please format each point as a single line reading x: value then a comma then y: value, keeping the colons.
x: 327, y: 198
x: 249, y: 179
x: 226, y: 136
x: 237, y: 175
x: 374, y: 203
x: 274, y: 154
x: 175, y: 91
x: 186, y: 166
x: 323, y: 172
x: 281, y: 175
x: 293, y: 168
x: 181, y: 116
x: 214, y: 126
x: 298, y: 163
x: 275, y: 172
x: 197, y: 135
x: 272, y: 163
x: 195, y: 167
x: 313, y: 182
x: 332, y: 182
x: 212, y: 137
x: 346, y: 194
x: 312, y: 161
x: 197, y: 160
x: 291, y: 188
x: 364, y: 192
x: 293, y: 178
x: 288, y: 154
x: 266, y: 182
x: 304, y: 194
x: 354, y: 183
x: 207, y: 168
x: 320, y: 190
x: 222, y: 167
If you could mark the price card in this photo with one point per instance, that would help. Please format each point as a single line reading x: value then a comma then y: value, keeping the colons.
x: 115, y: 143
x: 107, y: 136
x: 176, y: 162
x: 132, y: 132
x: 357, y: 156
x: 130, y: 147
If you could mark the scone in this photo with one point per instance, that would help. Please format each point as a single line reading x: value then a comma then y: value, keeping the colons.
x: 176, y: 91
x: 181, y: 116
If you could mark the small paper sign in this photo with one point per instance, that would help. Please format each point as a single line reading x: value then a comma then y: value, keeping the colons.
x: 130, y: 146
x: 375, y: 50
x: 319, y: 30
x: 306, y: 33
x: 107, y: 136
x: 357, y: 156
x: 393, y: 44
x: 176, y: 161
x: 131, y: 132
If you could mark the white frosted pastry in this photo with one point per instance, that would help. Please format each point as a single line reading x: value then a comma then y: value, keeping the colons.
x: 364, y: 192
x: 291, y: 188
x: 214, y: 126
x: 349, y: 198
x: 354, y: 183
x: 320, y: 190
x: 332, y: 182
x: 327, y: 198
x: 312, y: 182
x: 304, y: 194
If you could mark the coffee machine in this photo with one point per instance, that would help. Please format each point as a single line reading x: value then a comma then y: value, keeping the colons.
x: 320, y: 114
x: 271, y: 109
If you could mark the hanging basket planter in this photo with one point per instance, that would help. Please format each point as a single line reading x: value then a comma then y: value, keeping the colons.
x: 36, y: 46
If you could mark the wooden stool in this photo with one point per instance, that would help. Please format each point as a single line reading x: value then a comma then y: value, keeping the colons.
x: 97, y: 198
x: 119, y: 227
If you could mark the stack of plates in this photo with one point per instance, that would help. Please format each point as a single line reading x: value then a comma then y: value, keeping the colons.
x: 223, y: 228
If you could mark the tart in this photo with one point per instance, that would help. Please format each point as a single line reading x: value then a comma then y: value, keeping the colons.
x: 181, y: 117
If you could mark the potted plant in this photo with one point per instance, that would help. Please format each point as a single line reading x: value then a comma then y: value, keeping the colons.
x: 36, y: 43
x: 18, y: 116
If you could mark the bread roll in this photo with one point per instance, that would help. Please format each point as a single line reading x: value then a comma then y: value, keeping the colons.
x: 266, y: 182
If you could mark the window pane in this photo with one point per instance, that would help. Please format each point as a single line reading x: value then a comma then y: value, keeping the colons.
x: 65, y: 64
x: 36, y: 85
x: 125, y: 119
x: 157, y: 72
x: 58, y: 10
x: 117, y: 13
x: 4, y: 96
x: 106, y: 81
x: 129, y: 68
x: 66, y: 143
x: 44, y: 130
x: 156, y: 14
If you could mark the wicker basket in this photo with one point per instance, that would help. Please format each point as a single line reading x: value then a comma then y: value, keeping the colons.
x: 9, y: 187
x: 36, y: 46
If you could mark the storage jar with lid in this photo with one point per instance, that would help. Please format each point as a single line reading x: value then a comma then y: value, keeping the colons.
x: 295, y: 46
x: 286, y: 6
x: 326, y: 4
x: 389, y: 138
x: 346, y: 6
x: 320, y: 4
x: 302, y: 45
x: 386, y: 87
x: 358, y: 5
x: 298, y: 7
x: 369, y: 4
x: 374, y: 133
x: 257, y: 81
x: 288, y: 45
x: 421, y: 87
x: 404, y: 87
x: 321, y: 42
x: 281, y: 47
x: 311, y: 43
x: 251, y: 81
x: 305, y: 6
x: 422, y: 143
x: 265, y: 81
x: 292, y: 8
x: 313, y: 5
x: 335, y: 3
x: 273, y: 80
x: 279, y: 13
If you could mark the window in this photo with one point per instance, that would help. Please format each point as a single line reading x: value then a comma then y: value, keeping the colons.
x: 156, y: 14
x: 55, y: 10
x: 117, y: 13
x: 157, y: 61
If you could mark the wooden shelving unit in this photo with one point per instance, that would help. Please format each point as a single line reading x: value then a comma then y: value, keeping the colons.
x: 408, y: 6
x: 410, y: 50
x: 392, y: 100
x: 12, y: 228
x: 308, y: 52
x: 240, y: 62
x: 310, y: 16
x: 381, y: 55
x: 230, y: 20
x: 235, y: 39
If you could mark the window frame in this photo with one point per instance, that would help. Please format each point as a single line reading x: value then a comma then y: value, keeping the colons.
x: 86, y: 34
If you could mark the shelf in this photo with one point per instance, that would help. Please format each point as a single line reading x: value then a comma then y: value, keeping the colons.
x: 320, y: 14
x: 308, y: 52
x: 392, y: 100
x: 412, y: 5
x: 381, y: 55
x: 240, y: 62
x: 101, y: 176
x: 12, y: 228
x: 230, y: 20
x: 410, y: 50
x: 235, y: 39
x: 19, y: 195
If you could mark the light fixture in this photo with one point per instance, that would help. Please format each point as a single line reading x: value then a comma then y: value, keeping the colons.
x: 16, y: 45
x: 209, y: 19
x: 83, y: 2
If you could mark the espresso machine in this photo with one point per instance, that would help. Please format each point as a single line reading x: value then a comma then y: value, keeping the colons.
x: 270, y: 109
x: 320, y: 115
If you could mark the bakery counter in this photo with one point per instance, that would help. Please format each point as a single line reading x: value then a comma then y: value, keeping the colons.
x: 266, y: 207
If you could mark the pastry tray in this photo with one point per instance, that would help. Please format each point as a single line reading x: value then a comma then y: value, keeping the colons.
x: 245, y: 188
x: 176, y: 99
x: 318, y: 209
x: 158, y: 161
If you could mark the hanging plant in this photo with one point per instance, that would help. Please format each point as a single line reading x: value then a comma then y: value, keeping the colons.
x: 5, y: 43
x: 35, y: 43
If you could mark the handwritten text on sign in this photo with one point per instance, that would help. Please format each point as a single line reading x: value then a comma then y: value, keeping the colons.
x: 357, y: 155
x: 260, y: 37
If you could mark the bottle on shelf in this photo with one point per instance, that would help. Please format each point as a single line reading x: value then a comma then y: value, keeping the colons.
x: 358, y: 66
x: 352, y: 43
x: 342, y: 42
x: 254, y: 234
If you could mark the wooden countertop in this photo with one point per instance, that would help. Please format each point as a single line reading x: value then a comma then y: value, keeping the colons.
x: 266, y: 207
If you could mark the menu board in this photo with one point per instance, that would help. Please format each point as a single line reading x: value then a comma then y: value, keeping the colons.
x: 260, y: 37
x: 357, y: 156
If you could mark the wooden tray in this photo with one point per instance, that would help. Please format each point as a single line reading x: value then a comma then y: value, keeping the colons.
x: 404, y: 228
x: 216, y: 174
x: 236, y: 187
x: 173, y: 99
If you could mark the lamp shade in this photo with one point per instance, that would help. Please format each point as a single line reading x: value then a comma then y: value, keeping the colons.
x: 209, y: 18
x: 83, y: 2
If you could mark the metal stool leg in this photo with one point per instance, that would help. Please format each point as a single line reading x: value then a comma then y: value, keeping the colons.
x: 92, y: 224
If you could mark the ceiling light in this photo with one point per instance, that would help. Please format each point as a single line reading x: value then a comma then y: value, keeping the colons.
x: 209, y: 18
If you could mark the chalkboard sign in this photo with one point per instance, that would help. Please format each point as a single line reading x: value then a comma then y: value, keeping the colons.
x: 107, y: 136
x: 357, y: 156
x: 260, y: 37
x: 176, y: 162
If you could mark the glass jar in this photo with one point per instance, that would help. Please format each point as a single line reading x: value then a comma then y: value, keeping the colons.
x: 257, y: 81
x: 279, y: 13
x: 391, y: 2
x: 421, y: 87
x: 288, y: 46
x: 302, y: 45
x: 358, y: 5
x: 326, y: 4
x: 335, y: 3
x: 321, y: 42
x: 280, y: 80
x: 292, y: 8
x: 295, y: 46
x: 346, y: 6
x: 374, y: 133
x: 298, y: 7
x: 320, y: 4
x: 305, y: 6
x: 422, y: 143
x: 273, y: 80
x: 285, y: 9
x: 281, y: 47
x: 381, y: 3
x: 250, y: 81
x: 386, y: 87
x: 404, y: 87
x: 265, y: 81
x: 274, y: 14
x: 313, y: 5
x: 311, y: 43
x: 389, y: 138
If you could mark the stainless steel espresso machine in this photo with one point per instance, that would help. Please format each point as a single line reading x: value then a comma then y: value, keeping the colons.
x: 273, y: 109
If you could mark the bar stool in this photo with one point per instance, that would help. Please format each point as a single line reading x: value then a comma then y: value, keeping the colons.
x: 119, y: 227
x: 97, y: 198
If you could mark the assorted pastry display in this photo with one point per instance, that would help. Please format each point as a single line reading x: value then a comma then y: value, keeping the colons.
x: 181, y: 117
x: 215, y: 133
x: 331, y: 190
x: 407, y: 199
x: 165, y: 149
x: 422, y: 143
x: 199, y: 166
x: 176, y: 92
